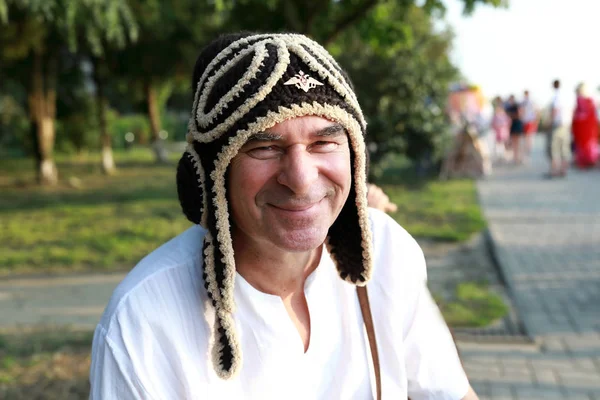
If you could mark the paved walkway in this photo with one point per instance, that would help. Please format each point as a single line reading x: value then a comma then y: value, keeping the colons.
x: 547, y: 239
x: 72, y: 300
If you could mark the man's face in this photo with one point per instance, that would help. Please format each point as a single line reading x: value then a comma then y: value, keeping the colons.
x: 286, y: 186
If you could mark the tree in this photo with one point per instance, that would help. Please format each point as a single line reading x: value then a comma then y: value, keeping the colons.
x: 161, y: 60
x: 113, y: 30
x: 401, y: 78
x: 37, y: 31
x: 324, y: 20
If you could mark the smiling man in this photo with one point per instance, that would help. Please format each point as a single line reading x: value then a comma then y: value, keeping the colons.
x: 264, y: 297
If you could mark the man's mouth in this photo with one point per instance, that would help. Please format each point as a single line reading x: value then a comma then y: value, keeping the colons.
x: 296, y: 207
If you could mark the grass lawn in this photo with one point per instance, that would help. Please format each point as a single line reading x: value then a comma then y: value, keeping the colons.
x: 437, y: 210
x: 429, y: 208
x: 101, y: 223
x: 474, y: 305
x: 47, y: 364
x: 90, y: 221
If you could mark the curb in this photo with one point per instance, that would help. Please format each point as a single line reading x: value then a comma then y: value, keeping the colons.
x: 522, y: 334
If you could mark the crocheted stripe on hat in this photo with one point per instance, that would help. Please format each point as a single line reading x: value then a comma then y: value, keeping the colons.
x: 264, y: 59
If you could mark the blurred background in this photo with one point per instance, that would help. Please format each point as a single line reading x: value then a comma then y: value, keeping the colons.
x: 95, y: 97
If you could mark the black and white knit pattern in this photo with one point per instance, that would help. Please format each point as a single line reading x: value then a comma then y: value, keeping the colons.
x: 243, y: 86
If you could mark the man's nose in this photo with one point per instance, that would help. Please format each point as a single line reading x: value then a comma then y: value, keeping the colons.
x: 299, y: 170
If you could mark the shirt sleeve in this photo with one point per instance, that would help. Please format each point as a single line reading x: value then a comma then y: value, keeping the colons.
x: 111, y: 374
x: 428, y: 356
x: 434, y: 370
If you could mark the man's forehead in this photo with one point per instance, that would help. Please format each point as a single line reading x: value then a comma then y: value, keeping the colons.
x: 306, y: 122
x: 317, y: 126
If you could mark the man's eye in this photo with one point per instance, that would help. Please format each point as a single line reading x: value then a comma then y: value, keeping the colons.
x: 264, y: 152
x: 323, y: 146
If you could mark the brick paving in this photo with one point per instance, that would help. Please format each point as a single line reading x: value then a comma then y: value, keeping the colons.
x: 546, y: 235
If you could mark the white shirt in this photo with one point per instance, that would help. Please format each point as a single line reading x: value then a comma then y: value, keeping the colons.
x: 529, y: 113
x: 556, y: 106
x: 153, y: 339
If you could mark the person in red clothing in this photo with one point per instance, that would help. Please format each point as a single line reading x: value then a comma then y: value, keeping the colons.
x: 585, y: 129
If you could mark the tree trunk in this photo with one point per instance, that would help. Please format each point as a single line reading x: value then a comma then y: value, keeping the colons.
x: 154, y: 116
x: 108, y: 162
x: 35, y: 144
x: 42, y: 104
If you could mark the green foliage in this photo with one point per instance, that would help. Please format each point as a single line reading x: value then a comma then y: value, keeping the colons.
x: 401, y: 77
x: 326, y: 20
x: 3, y: 12
x: 137, y: 124
x: 170, y: 35
x: 397, y: 60
x: 78, y: 131
x: 100, y: 21
x: 176, y: 125
x: 92, y: 21
x: 471, y: 4
x: 475, y: 305
x: 14, y: 127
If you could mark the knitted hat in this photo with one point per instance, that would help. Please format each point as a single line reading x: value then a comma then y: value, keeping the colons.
x: 245, y: 84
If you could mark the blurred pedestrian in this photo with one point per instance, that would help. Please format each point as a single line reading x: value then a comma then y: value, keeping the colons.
x: 530, y: 122
x: 513, y: 109
x: 585, y: 129
x: 558, y: 143
x: 501, y: 127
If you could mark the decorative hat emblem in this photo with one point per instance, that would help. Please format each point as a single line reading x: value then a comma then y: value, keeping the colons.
x: 303, y: 81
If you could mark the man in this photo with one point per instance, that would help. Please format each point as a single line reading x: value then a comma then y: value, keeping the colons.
x: 530, y: 122
x: 558, y: 143
x: 514, y: 111
x: 259, y: 299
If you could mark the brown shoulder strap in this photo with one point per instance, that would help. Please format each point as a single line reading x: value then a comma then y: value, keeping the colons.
x: 363, y: 299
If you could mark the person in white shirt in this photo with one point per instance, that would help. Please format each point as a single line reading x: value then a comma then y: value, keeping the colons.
x: 259, y: 299
x: 558, y: 142
x: 530, y: 122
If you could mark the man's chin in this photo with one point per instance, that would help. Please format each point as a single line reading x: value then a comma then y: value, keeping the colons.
x: 298, y: 242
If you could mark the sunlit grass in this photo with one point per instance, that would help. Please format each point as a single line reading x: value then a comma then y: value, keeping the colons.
x: 441, y: 210
x: 47, y: 363
x: 102, y: 223
x: 473, y: 305
x: 427, y: 207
